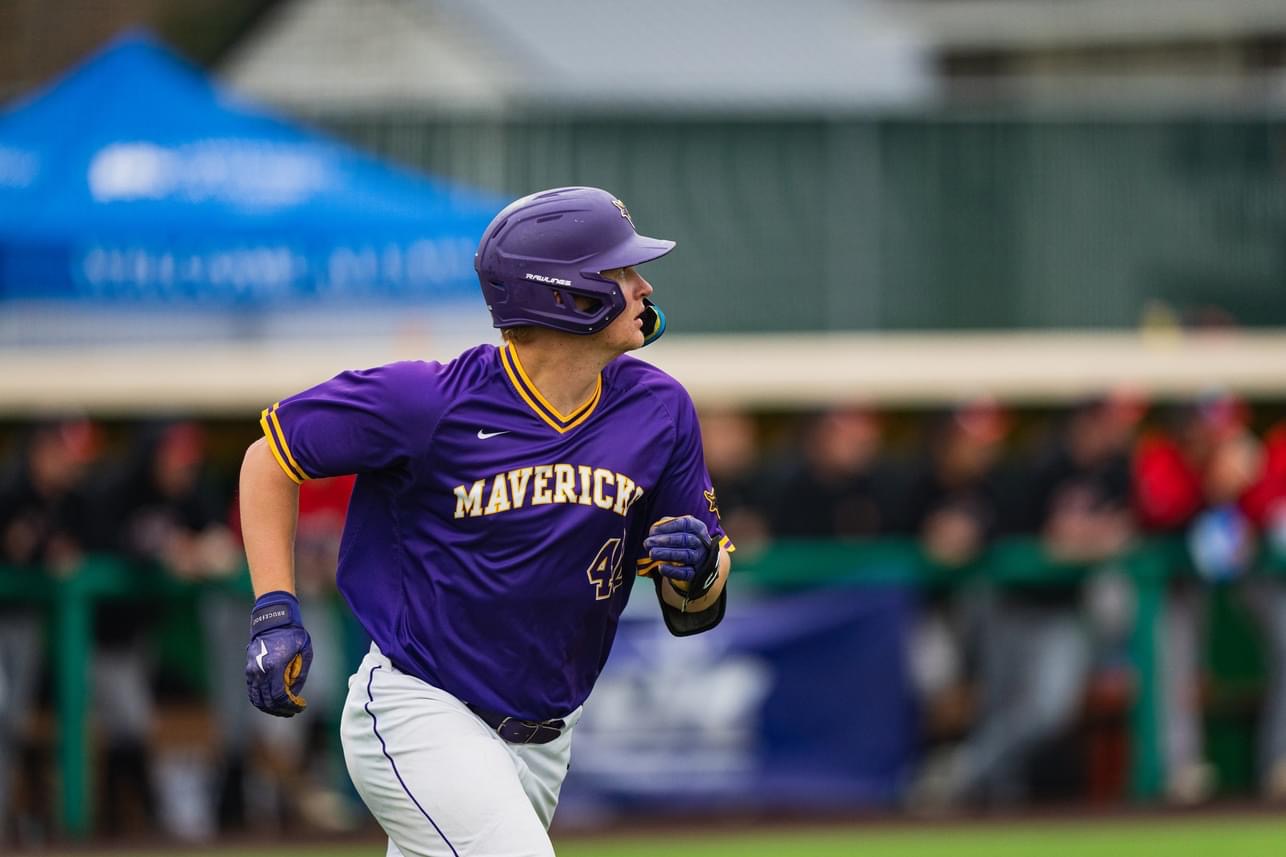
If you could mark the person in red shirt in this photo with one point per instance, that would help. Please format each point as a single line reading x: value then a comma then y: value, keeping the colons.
x: 1264, y: 504
x: 1206, y: 477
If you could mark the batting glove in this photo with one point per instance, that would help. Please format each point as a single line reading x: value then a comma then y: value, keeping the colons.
x: 279, y: 655
x: 688, y: 556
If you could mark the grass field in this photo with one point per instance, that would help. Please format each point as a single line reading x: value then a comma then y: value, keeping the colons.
x: 1254, y: 836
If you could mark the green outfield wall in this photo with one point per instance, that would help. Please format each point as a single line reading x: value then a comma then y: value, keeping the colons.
x: 952, y: 221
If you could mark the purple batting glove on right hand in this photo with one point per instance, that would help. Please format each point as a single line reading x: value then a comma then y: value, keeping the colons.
x: 279, y: 655
x: 688, y: 556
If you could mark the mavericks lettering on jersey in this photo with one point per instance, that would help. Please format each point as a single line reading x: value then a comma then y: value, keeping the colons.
x: 544, y: 484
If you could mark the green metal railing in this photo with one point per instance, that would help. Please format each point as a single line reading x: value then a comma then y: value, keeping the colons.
x: 781, y: 566
x: 1149, y: 565
x: 69, y: 602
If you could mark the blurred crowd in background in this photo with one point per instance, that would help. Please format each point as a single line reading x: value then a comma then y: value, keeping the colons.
x: 1004, y: 672
x: 151, y: 496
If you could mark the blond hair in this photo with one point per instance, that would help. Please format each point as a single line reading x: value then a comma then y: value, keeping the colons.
x: 522, y: 334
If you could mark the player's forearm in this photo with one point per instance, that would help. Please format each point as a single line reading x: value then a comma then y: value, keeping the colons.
x: 269, y: 514
x: 675, y: 599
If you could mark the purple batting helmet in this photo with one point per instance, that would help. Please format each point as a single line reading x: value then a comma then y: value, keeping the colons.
x: 546, y: 249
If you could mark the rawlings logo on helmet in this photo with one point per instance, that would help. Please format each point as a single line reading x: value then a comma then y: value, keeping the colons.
x: 553, y: 281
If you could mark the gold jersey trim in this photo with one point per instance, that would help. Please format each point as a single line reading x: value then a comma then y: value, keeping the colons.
x: 647, y: 566
x: 277, y: 444
x: 529, y: 393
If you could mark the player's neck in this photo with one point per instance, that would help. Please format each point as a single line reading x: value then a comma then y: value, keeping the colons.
x: 564, y: 369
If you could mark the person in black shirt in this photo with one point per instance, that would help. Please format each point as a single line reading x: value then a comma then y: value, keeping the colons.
x: 953, y: 501
x: 1035, y: 650
x: 45, y: 527
x: 45, y: 516
x: 1079, y: 501
x: 169, y: 510
x: 167, y: 514
x: 952, y: 506
x: 838, y: 488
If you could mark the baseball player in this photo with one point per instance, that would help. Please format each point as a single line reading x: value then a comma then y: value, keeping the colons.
x: 505, y: 502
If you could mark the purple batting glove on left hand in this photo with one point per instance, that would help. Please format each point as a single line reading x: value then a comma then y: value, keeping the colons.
x: 279, y: 655
x: 688, y: 556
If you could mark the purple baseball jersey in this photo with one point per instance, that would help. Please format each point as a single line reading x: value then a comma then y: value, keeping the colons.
x: 491, y: 541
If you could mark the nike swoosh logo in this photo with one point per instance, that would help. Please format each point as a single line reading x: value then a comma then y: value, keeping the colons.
x: 263, y: 650
x: 483, y: 435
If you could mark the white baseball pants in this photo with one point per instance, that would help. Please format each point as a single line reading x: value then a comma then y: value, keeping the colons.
x: 440, y: 781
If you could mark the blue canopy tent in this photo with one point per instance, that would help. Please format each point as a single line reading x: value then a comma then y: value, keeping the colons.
x: 136, y: 182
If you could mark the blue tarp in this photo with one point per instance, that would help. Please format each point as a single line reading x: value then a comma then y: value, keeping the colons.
x: 135, y: 181
x: 794, y: 702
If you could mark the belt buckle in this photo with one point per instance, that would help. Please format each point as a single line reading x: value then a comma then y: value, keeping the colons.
x: 510, y: 727
x: 508, y: 730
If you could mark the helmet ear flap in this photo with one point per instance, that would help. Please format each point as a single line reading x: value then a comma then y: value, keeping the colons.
x: 494, y: 293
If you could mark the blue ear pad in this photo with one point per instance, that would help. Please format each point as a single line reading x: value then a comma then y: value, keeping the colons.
x: 653, y: 322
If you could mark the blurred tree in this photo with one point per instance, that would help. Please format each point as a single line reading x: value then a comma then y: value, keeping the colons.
x: 41, y: 38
